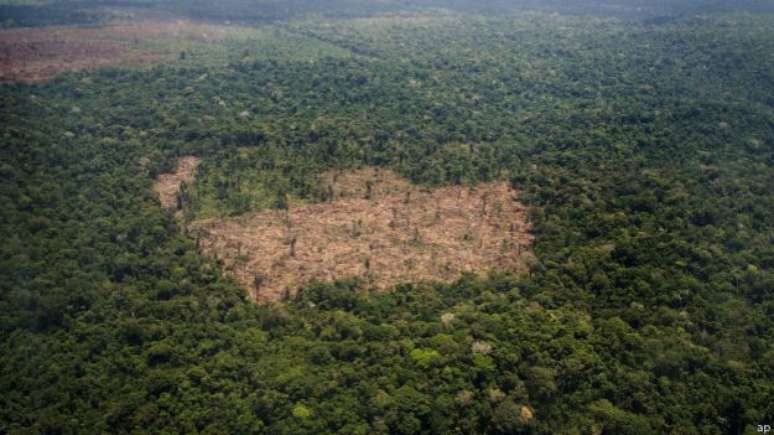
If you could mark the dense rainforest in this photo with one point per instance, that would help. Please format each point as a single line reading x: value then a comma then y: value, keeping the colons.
x: 642, y: 146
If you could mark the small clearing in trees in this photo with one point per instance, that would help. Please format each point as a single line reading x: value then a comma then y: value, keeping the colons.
x: 377, y: 227
x: 167, y: 186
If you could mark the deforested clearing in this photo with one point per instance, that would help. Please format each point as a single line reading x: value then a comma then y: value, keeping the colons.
x: 167, y: 186
x: 377, y: 227
x: 38, y: 54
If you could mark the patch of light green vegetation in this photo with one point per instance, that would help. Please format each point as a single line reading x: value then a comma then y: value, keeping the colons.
x: 218, y: 46
x: 276, y: 43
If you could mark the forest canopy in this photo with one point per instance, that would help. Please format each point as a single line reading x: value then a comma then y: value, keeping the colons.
x: 639, y: 139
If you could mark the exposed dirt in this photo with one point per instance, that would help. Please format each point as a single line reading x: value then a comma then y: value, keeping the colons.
x: 38, y: 54
x: 167, y: 186
x: 377, y: 227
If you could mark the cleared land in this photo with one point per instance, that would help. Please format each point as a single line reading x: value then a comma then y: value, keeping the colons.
x: 167, y: 186
x: 38, y: 54
x: 35, y: 55
x: 377, y: 227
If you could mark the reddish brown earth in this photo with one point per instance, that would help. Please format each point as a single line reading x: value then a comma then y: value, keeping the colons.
x: 399, y: 233
x: 38, y: 54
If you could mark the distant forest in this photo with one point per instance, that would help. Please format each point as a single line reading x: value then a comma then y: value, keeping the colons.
x: 53, y: 12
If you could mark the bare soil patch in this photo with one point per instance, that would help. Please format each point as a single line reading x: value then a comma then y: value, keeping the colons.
x: 377, y: 227
x: 38, y: 54
x: 167, y: 186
